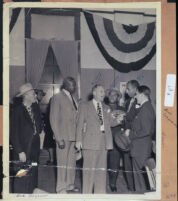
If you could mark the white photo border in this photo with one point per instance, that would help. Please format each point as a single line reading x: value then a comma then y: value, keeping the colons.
x: 6, y: 19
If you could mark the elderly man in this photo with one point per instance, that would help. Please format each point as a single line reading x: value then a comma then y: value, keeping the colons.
x: 26, y: 127
x: 63, y: 115
x: 94, y: 137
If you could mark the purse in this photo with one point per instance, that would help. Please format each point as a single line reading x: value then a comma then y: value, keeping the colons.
x: 122, y: 141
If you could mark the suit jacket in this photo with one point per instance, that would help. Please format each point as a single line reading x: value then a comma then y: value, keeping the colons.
x: 22, y: 130
x: 142, y: 129
x: 88, y: 127
x: 63, y: 117
x: 130, y: 115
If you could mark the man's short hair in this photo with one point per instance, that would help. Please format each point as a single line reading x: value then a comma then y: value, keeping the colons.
x: 144, y: 90
x: 134, y: 83
x: 66, y: 81
x: 96, y: 86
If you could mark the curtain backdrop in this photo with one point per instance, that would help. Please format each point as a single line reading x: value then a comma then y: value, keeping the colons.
x: 126, y: 48
x: 66, y: 53
x: 36, y: 52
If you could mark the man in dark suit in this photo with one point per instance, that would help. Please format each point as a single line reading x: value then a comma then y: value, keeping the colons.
x: 140, y: 134
x: 131, y: 112
x: 26, y: 126
x: 63, y: 116
x: 93, y: 136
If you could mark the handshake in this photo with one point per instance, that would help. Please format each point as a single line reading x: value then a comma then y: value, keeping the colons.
x: 118, y: 115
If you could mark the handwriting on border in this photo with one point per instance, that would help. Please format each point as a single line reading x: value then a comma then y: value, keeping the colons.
x: 166, y: 114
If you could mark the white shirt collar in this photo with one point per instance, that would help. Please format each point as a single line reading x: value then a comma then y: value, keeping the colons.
x: 144, y: 102
x: 95, y: 103
x: 66, y: 92
x: 70, y: 97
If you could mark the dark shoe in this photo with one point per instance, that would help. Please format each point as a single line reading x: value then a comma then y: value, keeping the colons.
x: 49, y: 163
x: 113, y: 188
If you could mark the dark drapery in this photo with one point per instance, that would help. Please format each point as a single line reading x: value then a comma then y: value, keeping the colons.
x: 36, y: 52
x: 66, y: 53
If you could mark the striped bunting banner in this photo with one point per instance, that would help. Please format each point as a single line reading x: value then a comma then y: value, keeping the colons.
x: 125, y: 48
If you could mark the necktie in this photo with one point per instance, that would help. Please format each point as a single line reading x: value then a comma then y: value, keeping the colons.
x: 75, y: 106
x: 131, y: 103
x: 29, y: 109
x: 99, y: 112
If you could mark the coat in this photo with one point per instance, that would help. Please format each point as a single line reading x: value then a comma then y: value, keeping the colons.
x: 88, y: 127
x: 130, y: 115
x: 63, y: 117
x: 142, y: 129
x: 22, y: 131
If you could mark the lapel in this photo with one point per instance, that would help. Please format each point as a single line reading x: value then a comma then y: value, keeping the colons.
x: 76, y: 102
x: 104, y: 111
x: 68, y: 99
x: 26, y: 114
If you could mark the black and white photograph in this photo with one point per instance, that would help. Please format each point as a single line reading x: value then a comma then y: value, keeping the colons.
x: 83, y: 100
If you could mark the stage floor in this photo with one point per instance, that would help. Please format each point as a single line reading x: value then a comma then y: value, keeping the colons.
x: 47, y: 177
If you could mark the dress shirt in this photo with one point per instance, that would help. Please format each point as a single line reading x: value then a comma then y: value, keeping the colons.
x: 131, y: 103
x: 100, y: 104
x: 70, y: 97
x: 31, y: 114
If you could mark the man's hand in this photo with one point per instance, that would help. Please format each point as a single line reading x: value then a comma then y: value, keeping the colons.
x: 22, y: 156
x: 120, y: 118
x: 78, y: 145
x: 127, y: 132
x: 61, y: 144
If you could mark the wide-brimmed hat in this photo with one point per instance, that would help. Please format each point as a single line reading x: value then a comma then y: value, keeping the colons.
x: 24, y: 89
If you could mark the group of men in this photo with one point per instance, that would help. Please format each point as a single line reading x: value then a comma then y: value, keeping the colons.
x: 90, y: 128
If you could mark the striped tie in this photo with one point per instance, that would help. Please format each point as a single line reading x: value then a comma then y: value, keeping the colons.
x: 99, y: 112
x: 29, y: 109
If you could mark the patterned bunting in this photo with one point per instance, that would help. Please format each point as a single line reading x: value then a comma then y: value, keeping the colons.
x: 124, y: 50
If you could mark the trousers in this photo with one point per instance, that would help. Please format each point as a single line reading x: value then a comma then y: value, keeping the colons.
x: 66, y: 162
x: 94, y: 171
x: 139, y: 180
x: 114, y: 157
x: 128, y: 168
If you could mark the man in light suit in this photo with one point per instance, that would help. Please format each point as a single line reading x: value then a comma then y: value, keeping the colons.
x: 63, y: 113
x: 93, y: 136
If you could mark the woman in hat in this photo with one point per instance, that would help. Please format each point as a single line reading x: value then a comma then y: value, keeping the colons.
x: 26, y: 126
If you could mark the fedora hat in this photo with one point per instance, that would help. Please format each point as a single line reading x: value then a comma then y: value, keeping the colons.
x: 122, y: 141
x: 24, y: 88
